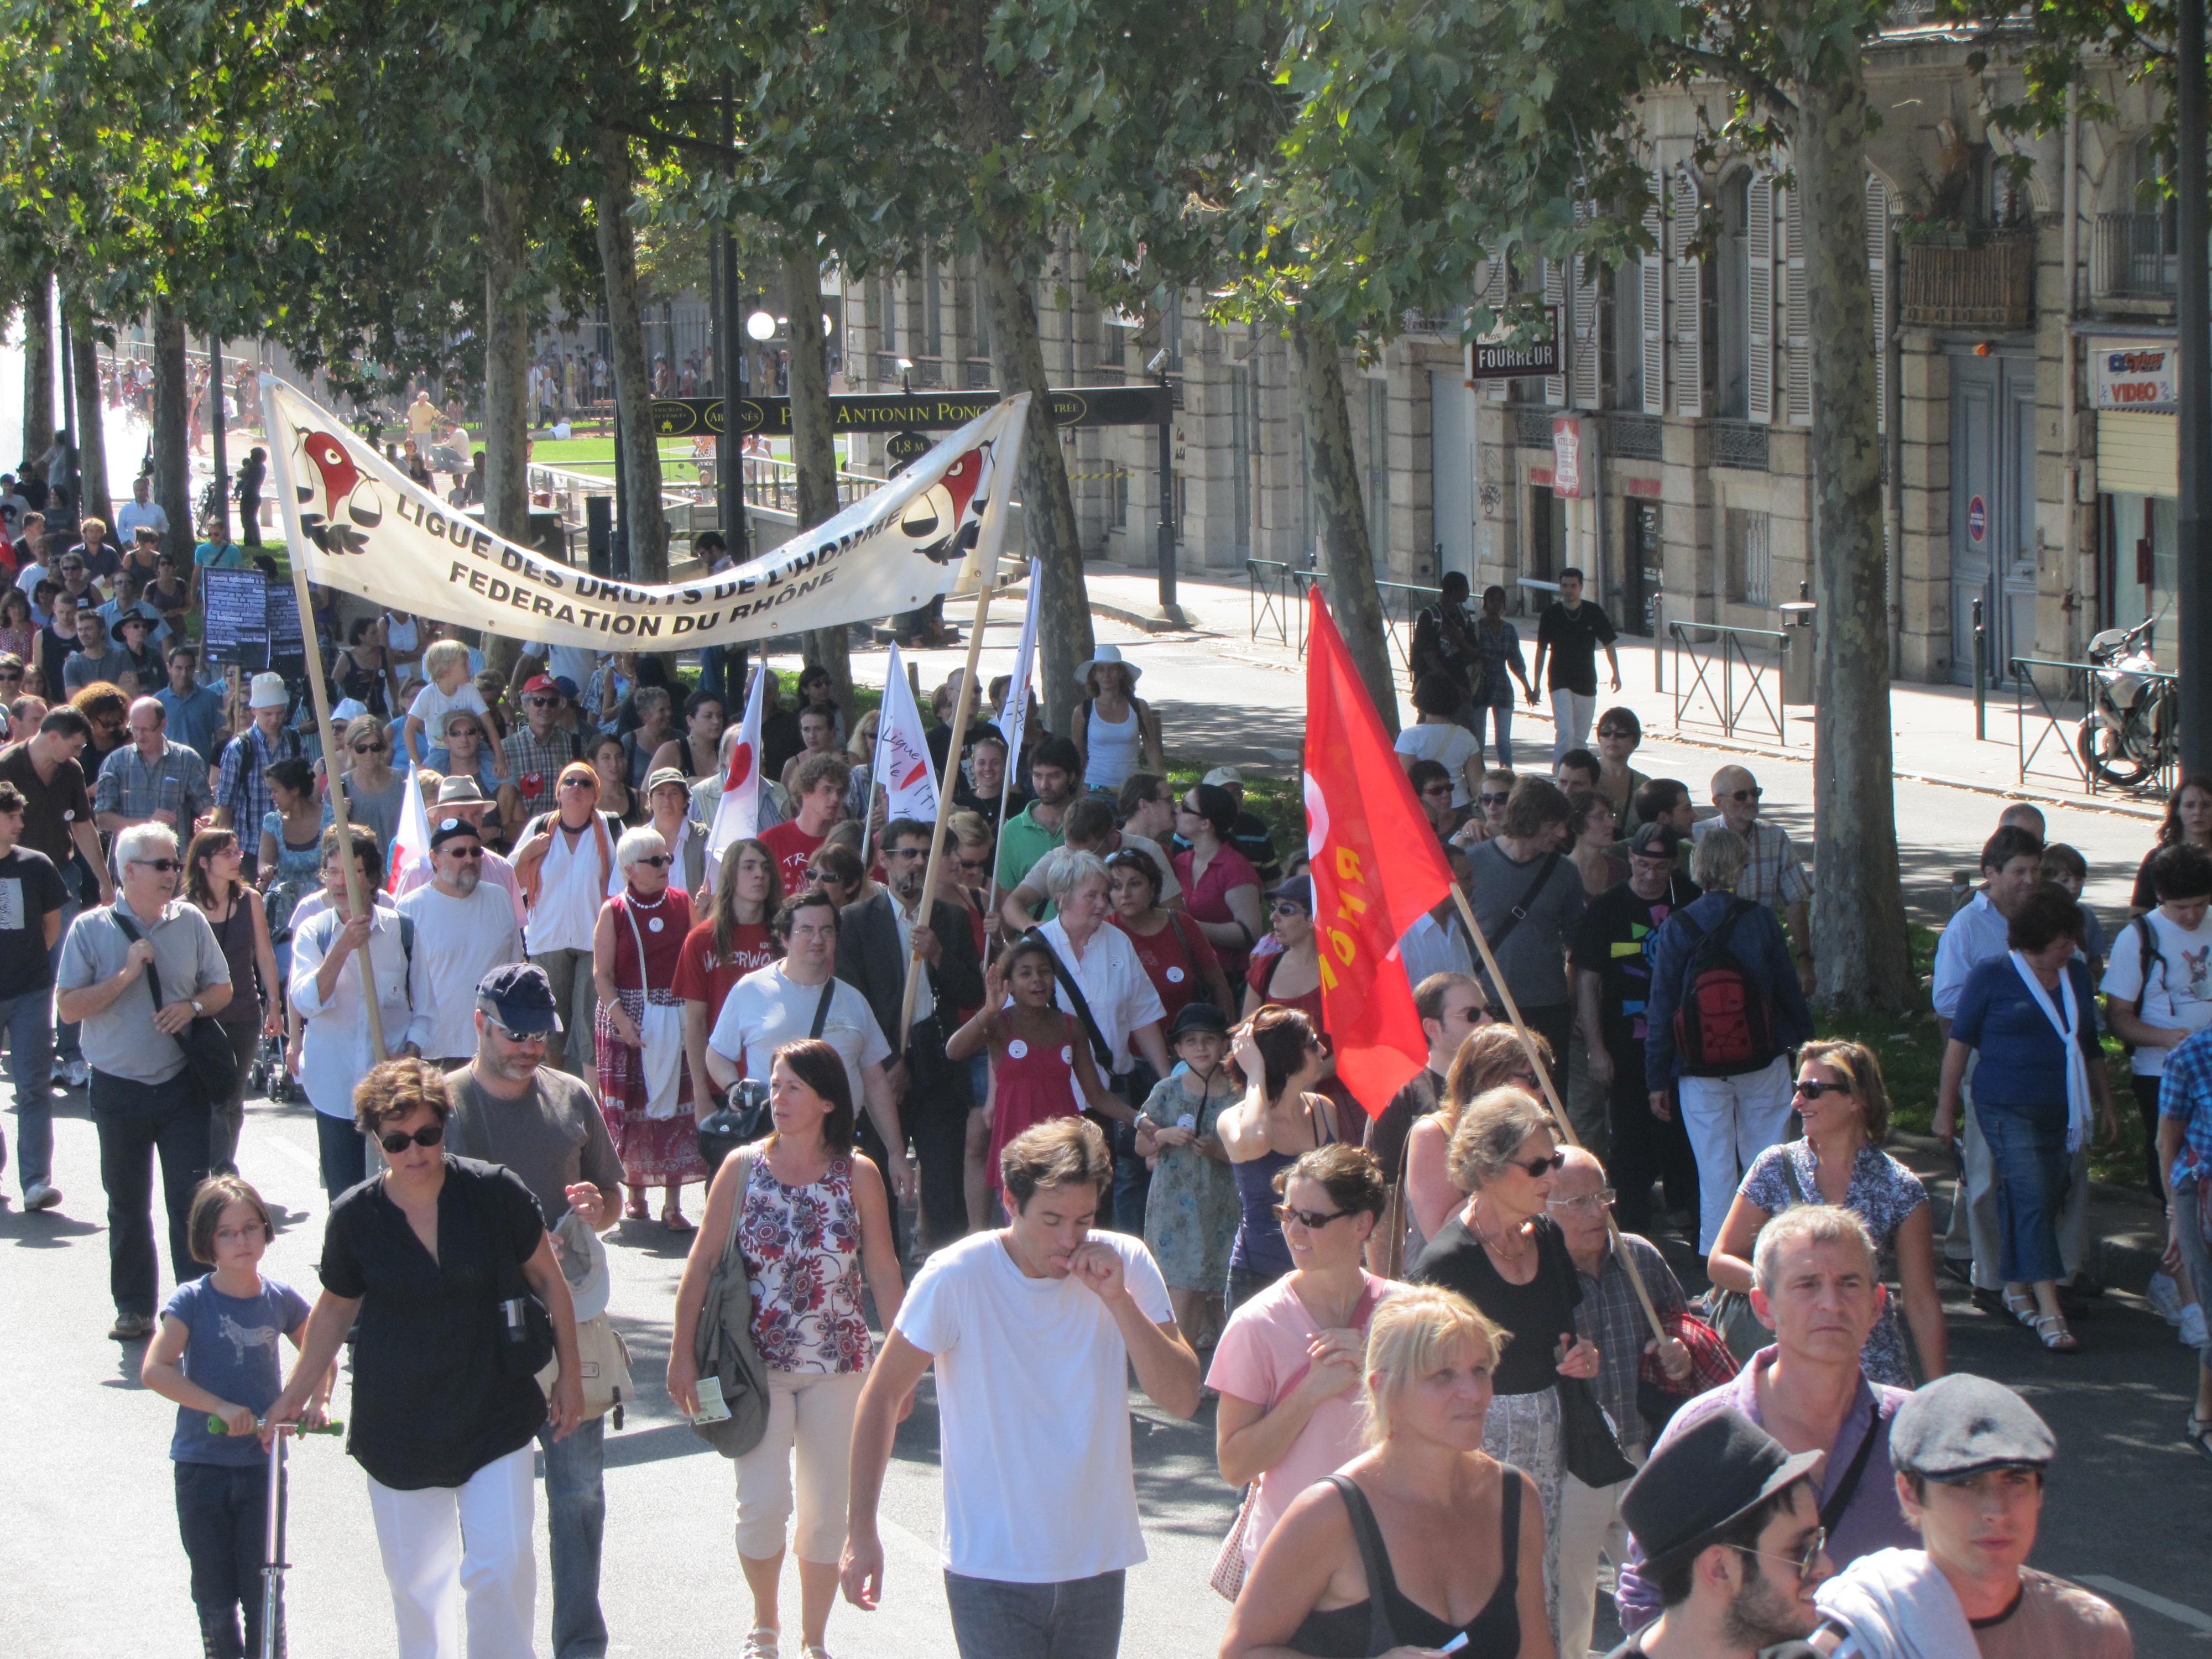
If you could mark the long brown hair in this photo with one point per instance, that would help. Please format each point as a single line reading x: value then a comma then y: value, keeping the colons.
x: 205, y: 846
x: 725, y: 891
x: 2169, y: 832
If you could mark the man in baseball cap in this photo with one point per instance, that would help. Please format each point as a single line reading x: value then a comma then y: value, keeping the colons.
x: 1971, y: 1457
x: 1728, y: 1522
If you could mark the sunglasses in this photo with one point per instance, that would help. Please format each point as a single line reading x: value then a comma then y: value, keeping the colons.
x: 1312, y: 1220
x: 396, y: 1143
x: 452, y: 851
x: 658, y: 861
x: 827, y: 879
x: 1746, y: 795
x: 507, y: 1034
x: 11, y: 673
x: 975, y: 863
x: 1537, y: 1168
x: 541, y: 702
x: 907, y: 853
x: 452, y: 731
x: 368, y: 749
x: 1488, y: 800
x: 166, y: 866
x: 1436, y: 789
x: 1804, y: 1561
x: 1815, y: 1091
x: 580, y: 783
x: 1613, y: 732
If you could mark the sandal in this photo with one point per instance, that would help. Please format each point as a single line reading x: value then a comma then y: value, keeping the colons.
x: 2021, y: 1306
x: 2051, y: 1330
x: 2200, y: 1435
x: 675, y: 1220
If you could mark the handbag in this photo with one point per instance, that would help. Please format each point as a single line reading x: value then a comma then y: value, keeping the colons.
x: 1586, y: 1435
x: 723, y: 1343
x: 1730, y: 1312
x: 1227, y: 1577
x: 730, y: 1125
x: 209, y: 1060
x: 602, y: 1356
x: 1659, y: 1396
x: 526, y: 1345
x: 660, y: 1034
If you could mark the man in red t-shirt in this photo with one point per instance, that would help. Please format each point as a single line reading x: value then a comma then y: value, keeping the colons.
x: 821, y: 792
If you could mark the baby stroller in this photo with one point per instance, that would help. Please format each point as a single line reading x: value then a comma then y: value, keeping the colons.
x: 269, y: 1077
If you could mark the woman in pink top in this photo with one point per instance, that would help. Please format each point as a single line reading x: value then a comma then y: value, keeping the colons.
x: 1289, y: 1366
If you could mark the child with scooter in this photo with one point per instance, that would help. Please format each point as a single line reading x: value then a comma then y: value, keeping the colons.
x: 216, y: 1356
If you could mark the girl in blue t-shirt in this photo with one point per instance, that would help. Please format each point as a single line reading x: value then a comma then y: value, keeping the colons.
x: 215, y: 1355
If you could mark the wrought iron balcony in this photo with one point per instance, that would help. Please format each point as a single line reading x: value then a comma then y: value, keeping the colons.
x: 2135, y: 255
x: 1980, y: 279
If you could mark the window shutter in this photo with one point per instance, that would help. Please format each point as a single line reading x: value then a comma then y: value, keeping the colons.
x: 1877, y: 246
x: 1655, y: 299
x: 1493, y: 296
x: 1798, y: 363
x: 1555, y: 296
x: 1758, y: 300
x: 1583, y: 382
x: 1689, y: 301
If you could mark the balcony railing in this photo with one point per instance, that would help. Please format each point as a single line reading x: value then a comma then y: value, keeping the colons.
x: 1971, y: 279
x: 2135, y: 255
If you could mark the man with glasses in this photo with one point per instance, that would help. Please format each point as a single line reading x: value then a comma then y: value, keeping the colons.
x: 1815, y: 1285
x: 876, y: 937
x: 1610, y: 1317
x: 465, y: 928
x: 144, y: 1100
x: 541, y: 746
x: 1450, y: 1006
x: 1775, y: 878
x: 510, y: 1109
x: 1729, y: 1519
x: 1612, y: 960
x: 150, y: 779
x: 11, y: 677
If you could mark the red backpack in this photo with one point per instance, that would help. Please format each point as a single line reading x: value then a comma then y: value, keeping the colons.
x: 1723, y: 1026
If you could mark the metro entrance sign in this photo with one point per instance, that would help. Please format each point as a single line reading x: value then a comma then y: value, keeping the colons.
x: 918, y: 411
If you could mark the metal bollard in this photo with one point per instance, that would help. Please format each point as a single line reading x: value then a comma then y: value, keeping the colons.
x: 1981, y: 676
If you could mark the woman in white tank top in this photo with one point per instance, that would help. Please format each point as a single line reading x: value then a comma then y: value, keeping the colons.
x: 1115, y: 731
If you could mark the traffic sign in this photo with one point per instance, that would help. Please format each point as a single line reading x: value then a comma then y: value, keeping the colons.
x: 1978, y: 520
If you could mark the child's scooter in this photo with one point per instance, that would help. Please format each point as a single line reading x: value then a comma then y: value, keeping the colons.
x: 272, y: 1549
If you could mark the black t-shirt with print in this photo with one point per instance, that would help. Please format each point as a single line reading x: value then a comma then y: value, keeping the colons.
x: 1615, y: 942
x: 30, y: 892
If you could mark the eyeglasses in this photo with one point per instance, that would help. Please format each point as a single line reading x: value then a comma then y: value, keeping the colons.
x: 396, y: 1143
x: 507, y: 1034
x: 976, y: 864
x: 1489, y: 799
x: 1805, y: 1560
x: 1537, y: 1168
x: 1746, y: 795
x: 1601, y: 1200
x: 658, y: 861
x: 166, y: 866
x: 906, y: 853
x: 1287, y: 910
x: 241, y: 1235
x: 1312, y: 1220
x: 461, y: 851
x: 1815, y: 1091
x: 1473, y: 1013
x: 826, y: 879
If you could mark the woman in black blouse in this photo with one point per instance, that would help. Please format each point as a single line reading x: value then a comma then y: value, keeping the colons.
x: 432, y: 1257
x: 1502, y: 1253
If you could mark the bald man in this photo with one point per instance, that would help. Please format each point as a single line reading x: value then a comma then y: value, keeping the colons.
x: 1776, y: 876
x: 2021, y: 816
x: 1612, y: 1319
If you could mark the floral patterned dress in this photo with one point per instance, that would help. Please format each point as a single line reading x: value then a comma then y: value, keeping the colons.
x: 1192, y: 1210
x: 1882, y: 1194
x: 802, y: 1250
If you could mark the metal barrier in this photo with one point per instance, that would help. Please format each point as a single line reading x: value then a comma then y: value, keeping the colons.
x: 1401, y: 610
x: 1275, y: 603
x: 1737, y: 672
x: 2057, y: 718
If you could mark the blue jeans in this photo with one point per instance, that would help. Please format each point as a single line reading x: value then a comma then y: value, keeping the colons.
x: 1080, y: 1618
x: 2027, y: 1147
x: 344, y: 1153
x: 223, y: 1515
x: 576, y: 1513
x: 1501, y: 720
x: 29, y: 1022
x: 66, y: 1046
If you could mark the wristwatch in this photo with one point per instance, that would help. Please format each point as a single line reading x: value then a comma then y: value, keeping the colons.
x: 197, y: 1008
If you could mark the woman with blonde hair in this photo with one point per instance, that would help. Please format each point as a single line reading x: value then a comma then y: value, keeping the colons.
x: 1839, y: 1161
x: 1456, y: 1537
x: 1490, y: 1058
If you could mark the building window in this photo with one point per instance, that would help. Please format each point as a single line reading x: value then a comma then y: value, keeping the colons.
x: 1172, y: 330
x: 1626, y: 347
x: 1378, y: 471
x: 1244, y: 454
x: 1750, y: 557
x: 932, y: 314
x: 1732, y: 268
x: 1547, y: 537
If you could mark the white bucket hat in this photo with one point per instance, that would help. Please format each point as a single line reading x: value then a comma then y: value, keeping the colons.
x: 268, y: 691
x: 1106, y: 653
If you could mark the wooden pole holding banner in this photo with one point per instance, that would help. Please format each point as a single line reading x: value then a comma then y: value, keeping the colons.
x: 361, y: 902
x: 1543, y: 1075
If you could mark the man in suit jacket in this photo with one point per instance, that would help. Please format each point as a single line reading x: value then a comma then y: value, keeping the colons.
x: 875, y: 942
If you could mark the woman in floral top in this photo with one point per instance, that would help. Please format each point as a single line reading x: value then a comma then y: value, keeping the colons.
x: 1840, y: 1161
x: 811, y: 1218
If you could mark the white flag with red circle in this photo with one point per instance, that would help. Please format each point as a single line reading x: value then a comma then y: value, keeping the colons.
x: 737, y: 814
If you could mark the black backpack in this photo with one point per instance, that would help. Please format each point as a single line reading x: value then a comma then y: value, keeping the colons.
x: 1723, y: 1024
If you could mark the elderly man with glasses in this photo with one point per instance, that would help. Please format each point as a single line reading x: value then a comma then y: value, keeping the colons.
x: 134, y: 973
x: 1775, y: 876
x: 465, y: 928
x: 1609, y: 1316
x: 542, y: 744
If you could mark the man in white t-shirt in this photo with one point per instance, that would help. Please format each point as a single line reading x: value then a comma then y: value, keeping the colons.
x: 778, y: 1004
x: 464, y: 928
x: 141, y: 508
x: 1033, y: 1330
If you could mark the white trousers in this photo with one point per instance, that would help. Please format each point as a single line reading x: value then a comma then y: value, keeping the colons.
x: 1731, y: 1120
x: 1571, y: 712
x: 474, y: 1538
x: 1589, y: 1527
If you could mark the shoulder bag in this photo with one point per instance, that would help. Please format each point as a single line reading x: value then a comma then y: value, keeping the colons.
x: 526, y: 1345
x: 730, y: 1126
x: 1519, y: 913
x: 209, y: 1059
x: 602, y: 1356
x: 1100, y: 1052
x: 1730, y: 1312
x: 1586, y: 1436
x: 723, y: 1343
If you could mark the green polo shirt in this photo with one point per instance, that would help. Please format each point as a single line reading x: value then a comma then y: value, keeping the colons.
x: 1022, y: 841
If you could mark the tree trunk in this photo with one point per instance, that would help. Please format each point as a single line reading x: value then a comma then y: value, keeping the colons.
x: 172, y: 478
x: 647, y: 529
x: 1318, y: 360
x: 91, y: 424
x: 37, y: 372
x: 506, y: 376
x: 1861, y: 953
x: 813, y: 449
x: 1064, y: 634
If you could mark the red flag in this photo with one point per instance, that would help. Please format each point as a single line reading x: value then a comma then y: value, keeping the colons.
x: 1377, y: 868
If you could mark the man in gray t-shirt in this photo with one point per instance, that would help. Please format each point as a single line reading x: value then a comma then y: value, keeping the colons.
x: 1528, y: 898
x: 509, y: 1108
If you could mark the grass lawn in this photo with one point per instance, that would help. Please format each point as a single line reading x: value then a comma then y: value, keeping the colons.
x: 677, y: 464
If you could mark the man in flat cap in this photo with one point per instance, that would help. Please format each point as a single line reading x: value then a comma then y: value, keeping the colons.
x: 1729, y: 1523
x: 1971, y: 1457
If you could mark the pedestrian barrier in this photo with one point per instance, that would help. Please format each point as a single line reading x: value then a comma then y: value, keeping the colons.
x: 1275, y: 603
x: 1401, y: 607
x: 1731, y: 678
x: 2052, y: 702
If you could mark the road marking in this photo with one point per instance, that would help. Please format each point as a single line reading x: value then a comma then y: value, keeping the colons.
x: 2173, y: 1610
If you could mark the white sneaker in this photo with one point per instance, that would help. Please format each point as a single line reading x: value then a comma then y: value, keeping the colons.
x: 2192, y: 1326
x: 39, y: 1195
x: 2163, y: 1295
x: 80, y: 1074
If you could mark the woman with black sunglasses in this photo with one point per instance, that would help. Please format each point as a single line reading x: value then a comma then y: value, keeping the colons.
x: 1505, y: 1254
x: 429, y: 1262
x: 374, y: 794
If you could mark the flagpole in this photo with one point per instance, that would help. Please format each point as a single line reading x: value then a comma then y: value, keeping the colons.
x: 296, y: 555
x: 1005, y: 787
x: 1543, y: 1075
x: 876, y: 759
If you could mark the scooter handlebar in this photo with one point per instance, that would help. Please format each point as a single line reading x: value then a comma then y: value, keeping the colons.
x: 216, y: 1426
